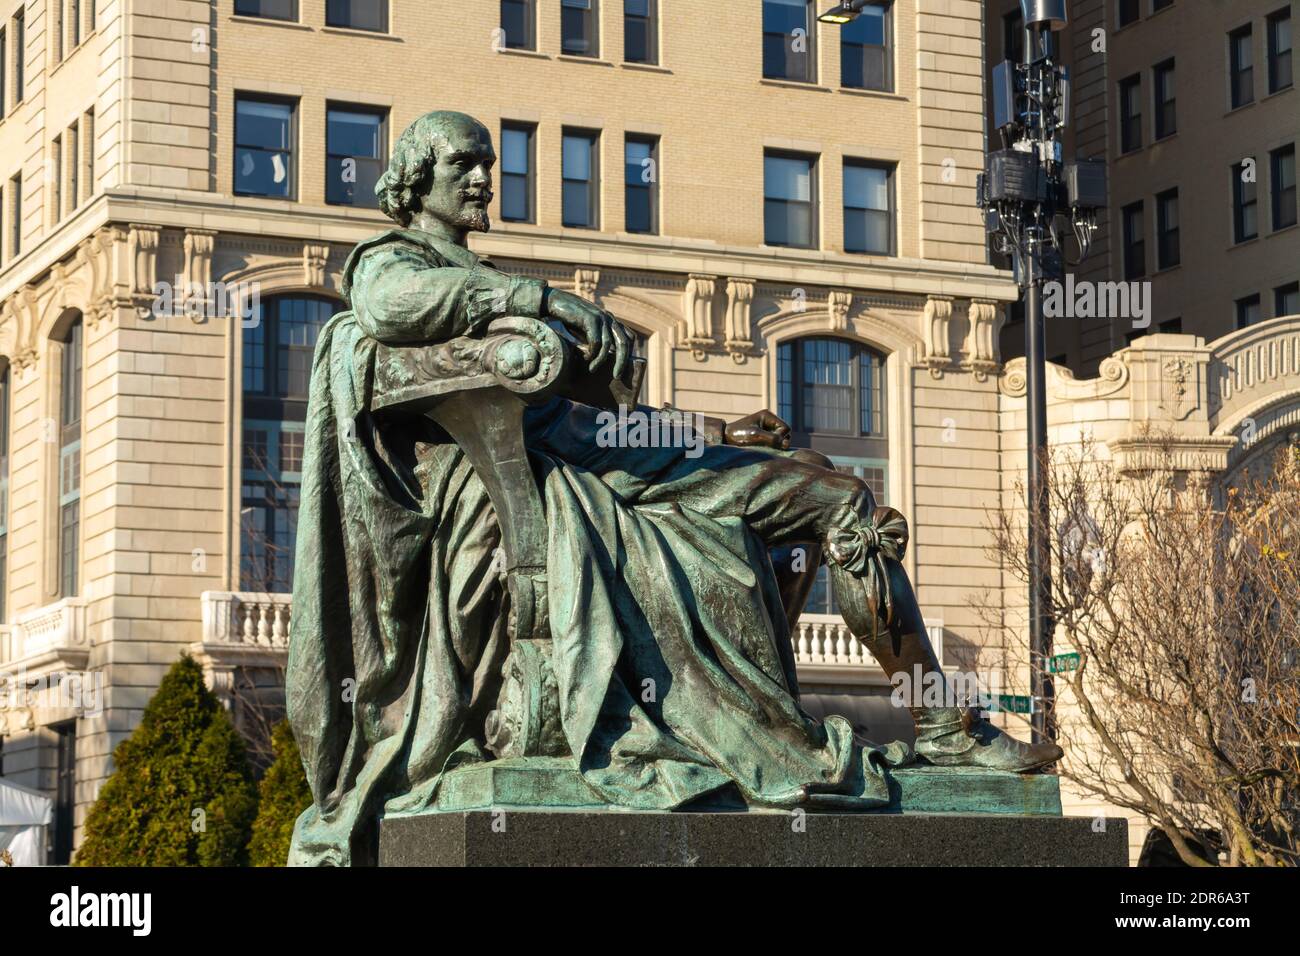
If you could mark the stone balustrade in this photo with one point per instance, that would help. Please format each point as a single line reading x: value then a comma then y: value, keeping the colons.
x: 53, y: 637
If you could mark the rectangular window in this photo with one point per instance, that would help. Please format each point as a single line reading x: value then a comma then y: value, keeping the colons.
x: 1128, y: 12
x: 1248, y: 312
x: 518, y: 24
x: 74, y: 167
x: 788, y: 40
x: 640, y: 31
x: 578, y: 36
x: 268, y: 9
x: 356, y: 141
x: 1168, y: 251
x: 16, y: 217
x: 369, y: 15
x: 1286, y: 301
x: 1245, y: 204
x: 55, y: 8
x: 87, y: 139
x: 4, y: 72
x: 70, y: 463
x: 264, y: 147
x: 54, y: 182
x: 20, y: 55
x: 1241, y: 66
x: 1135, y: 246
x: 865, y: 61
x: 518, y: 181
x: 1279, y: 51
x: 868, y: 208
x: 1282, y: 169
x: 1130, y: 114
x: 74, y: 20
x: 579, y: 164
x: 641, y: 183
x: 1013, y: 37
x: 789, y: 205
x: 1166, y: 100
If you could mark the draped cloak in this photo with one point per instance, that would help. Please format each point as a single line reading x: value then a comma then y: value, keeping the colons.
x: 655, y: 581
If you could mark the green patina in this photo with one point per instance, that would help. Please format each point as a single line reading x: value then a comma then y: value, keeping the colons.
x: 492, y: 605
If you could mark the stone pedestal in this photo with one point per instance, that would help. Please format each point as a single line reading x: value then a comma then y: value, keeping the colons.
x: 490, y: 814
x: 504, y: 837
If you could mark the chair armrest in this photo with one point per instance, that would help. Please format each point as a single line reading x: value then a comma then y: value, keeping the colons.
x: 523, y: 356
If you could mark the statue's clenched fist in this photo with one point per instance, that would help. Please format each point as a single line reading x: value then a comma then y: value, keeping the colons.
x: 761, y: 428
x: 601, y: 335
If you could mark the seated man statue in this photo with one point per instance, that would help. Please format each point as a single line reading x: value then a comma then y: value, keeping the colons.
x: 668, y: 597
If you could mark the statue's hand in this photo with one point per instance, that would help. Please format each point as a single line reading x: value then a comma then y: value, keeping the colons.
x: 599, y: 332
x: 760, y: 428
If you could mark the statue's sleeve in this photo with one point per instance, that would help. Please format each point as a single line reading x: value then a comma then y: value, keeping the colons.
x: 399, y: 298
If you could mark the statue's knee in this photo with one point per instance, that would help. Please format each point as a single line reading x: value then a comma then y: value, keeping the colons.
x: 810, y: 457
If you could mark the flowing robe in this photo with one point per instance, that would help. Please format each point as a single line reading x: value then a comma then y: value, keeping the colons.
x: 671, y: 648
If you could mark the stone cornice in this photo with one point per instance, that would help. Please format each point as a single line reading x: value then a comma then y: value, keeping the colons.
x: 335, y: 225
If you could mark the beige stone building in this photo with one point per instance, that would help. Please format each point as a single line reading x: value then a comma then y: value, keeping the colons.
x: 781, y: 209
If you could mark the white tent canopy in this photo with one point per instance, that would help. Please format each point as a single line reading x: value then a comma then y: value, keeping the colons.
x: 25, y: 816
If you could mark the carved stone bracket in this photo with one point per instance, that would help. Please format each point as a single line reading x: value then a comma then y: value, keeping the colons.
x: 934, y: 334
x: 315, y: 259
x: 195, y: 294
x: 142, y: 252
x: 585, y: 283
x: 739, y: 325
x: 697, y: 307
x: 838, y: 303
x: 982, y: 357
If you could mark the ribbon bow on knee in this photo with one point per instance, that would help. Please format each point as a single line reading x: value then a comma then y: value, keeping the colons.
x: 862, y: 549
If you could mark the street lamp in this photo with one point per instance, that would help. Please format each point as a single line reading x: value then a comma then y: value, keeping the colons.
x: 845, y: 12
x: 1027, y: 192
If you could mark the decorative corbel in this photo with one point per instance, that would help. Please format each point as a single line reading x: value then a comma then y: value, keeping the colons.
x: 934, y: 334
x: 314, y: 260
x: 142, y: 248
x: 838, y: 303
x: 698, y: 310
x: 195, y: 293
x: 739, y: 323
x: 982, y: 356
x: 585, y: 283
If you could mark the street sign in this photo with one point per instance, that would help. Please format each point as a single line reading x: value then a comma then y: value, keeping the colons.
x: 1012, y: 704
x: 1063, y: 662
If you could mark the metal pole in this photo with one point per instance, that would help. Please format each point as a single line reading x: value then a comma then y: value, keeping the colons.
x: 1041, y: 622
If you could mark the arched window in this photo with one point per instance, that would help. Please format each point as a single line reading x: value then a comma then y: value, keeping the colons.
x: 832, y: 393
x: 70, y: 461
x: 278, y: 351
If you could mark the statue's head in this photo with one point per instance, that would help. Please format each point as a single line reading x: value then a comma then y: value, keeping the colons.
x: 441, y: 168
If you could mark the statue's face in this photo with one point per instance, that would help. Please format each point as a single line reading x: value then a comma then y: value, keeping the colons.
x: 462, y: 179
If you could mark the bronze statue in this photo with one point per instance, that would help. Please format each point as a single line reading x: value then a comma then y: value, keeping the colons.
x: 478, y: 577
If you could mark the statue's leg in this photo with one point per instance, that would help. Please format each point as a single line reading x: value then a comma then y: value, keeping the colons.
x: 796, y: 567
x: 791, y: 498
x: 864, y: 546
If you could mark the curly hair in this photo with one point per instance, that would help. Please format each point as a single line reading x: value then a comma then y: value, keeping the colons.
x: 399, y: 189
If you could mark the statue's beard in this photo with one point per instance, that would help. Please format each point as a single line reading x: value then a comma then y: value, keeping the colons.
x: 475, y: 220
x: 470, y: 217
